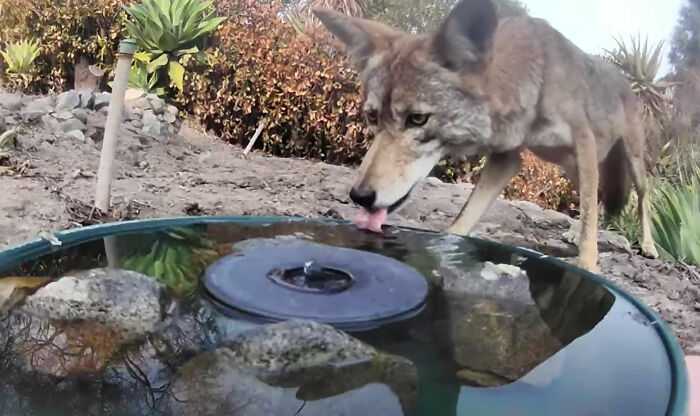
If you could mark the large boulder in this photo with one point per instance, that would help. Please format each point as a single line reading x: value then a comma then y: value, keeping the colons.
x: 277, y: 368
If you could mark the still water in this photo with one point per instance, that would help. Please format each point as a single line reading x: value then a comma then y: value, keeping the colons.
x: 503, y: 333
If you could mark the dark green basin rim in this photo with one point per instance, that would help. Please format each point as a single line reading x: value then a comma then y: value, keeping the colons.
x: 679, y: 401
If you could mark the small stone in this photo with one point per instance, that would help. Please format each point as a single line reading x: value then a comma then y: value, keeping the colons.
x: 67, y: 101
x: 72, y: 124
x: 171, y: 109
x: 133, y: 94
x: 157, y: 104
x: 76, y: 135
x: 49, y: 123
x: 101, y: 100
x: 96, y: 120
x: 151, y: 125
x: 35, y: 109
x: 81, y: 114
x: 12, y: 102
x: 169, y: 117
x: 63, y: 115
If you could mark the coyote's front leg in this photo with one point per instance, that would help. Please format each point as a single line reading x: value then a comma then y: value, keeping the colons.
x: 497, y: 173
x: 588, y: 176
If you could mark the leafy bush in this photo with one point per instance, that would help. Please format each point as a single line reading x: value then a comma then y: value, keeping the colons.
x: 170, y: 31
x: 66, y: 31
x: 542, y: 183
x: 260, y: 70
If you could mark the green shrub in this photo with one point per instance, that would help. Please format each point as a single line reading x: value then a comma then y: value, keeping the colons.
x: 66, y: 31
x: 260, y: 69
x: 170, y: 31
x: 677, y: 219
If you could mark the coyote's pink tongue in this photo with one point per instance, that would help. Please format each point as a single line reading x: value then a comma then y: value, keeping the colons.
x: 371, y: 221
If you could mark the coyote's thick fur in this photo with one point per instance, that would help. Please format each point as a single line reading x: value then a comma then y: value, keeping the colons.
x: 480, y: 86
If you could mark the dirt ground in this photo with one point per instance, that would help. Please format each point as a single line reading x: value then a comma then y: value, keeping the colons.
x: 48, y: 182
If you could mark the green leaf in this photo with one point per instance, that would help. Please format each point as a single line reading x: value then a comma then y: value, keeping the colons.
x: 186, y: 51
x: 176, y: 72
x: 160, y: 61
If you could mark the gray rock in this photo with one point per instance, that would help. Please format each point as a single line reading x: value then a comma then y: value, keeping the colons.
x: 72, y: 124
x: 3, y: 125
x: 126, y: 301
x: 172, y: 110
x: 501, y: 326
x: 169, y: 117
x: 101, y: 100
x: 138, y: 105
x: 96, y: 120
x: 151, y: 125
x: 37, y: 108
x: 12, y: 102
x: 50, y: 123
x: 294, y: 346
x: 67, y: 101
x: 157, y: 103
x: 87, y: 99
x: 338, y: 374
x: 76, y: 135
x: 81, y: 114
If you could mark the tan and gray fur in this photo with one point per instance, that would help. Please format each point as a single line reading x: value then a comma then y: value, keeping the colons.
x: 483, y: 86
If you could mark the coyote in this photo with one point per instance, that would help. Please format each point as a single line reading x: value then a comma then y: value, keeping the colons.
x: 480, y: 86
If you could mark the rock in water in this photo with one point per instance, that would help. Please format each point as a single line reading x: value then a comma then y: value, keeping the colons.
x: 126, y: 301
x: 329, y: 370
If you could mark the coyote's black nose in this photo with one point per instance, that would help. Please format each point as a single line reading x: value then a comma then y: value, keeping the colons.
x: 363, y: 197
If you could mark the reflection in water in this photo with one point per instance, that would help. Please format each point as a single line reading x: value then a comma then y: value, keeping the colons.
x: 497, y: 319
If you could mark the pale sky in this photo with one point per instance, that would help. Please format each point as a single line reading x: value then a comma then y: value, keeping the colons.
x: 592, y: 24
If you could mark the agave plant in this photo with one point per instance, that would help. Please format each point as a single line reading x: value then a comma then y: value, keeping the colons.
x: 169, y: 30
x: 640, y: 62
x: 676, y: 220
x: 20, y: 56
x: 301, y: 17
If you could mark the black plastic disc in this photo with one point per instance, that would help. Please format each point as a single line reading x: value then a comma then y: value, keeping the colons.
x: 350, y: 289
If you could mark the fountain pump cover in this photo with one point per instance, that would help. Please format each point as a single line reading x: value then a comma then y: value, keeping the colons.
x: 349, y: 289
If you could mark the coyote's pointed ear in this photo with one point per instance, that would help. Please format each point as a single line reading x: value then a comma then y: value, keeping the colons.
x: 466, y: 36
x: 362, y: 37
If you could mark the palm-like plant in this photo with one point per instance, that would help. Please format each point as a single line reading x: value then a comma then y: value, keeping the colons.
x: 640, y: 62
x: 169, y: 31
x: 300, y: 14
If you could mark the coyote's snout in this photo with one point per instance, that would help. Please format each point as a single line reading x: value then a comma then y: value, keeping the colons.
x: 480, y: 86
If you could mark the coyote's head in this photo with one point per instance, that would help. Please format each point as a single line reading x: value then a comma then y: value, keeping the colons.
x: 423, y: 96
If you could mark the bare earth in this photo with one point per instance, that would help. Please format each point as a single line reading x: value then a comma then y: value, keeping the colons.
x: 192, y: 174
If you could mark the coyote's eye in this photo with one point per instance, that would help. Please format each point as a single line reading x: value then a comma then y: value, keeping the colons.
x: 372, y: 117
x: 417, y: 120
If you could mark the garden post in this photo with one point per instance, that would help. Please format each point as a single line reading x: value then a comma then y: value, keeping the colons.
x: 105, y: 174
